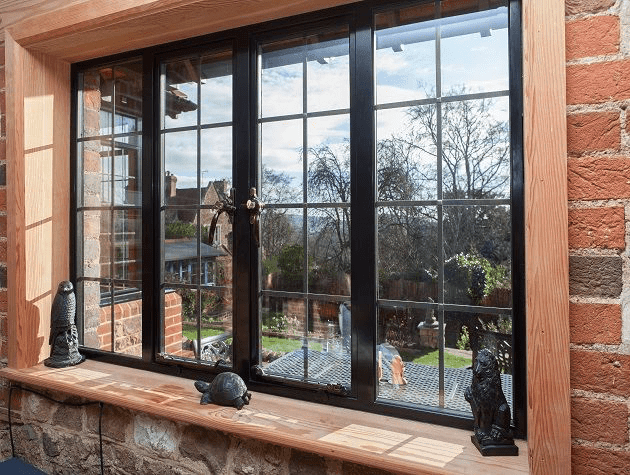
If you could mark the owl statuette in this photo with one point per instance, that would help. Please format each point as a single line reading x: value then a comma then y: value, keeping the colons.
x: 64, y: 339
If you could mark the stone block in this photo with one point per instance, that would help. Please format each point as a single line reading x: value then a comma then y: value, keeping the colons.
x: 155, y: 434
x: 305, y: 463
x: 595, y: 276
x: 574, y: 7
x: 69, y: 417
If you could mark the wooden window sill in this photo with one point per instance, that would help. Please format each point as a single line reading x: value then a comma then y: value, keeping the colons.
x: 384, y: 442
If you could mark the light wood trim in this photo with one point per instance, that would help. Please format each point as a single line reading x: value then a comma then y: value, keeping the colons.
x: 546, y: 236
x: 101, y: 27
x: 38, y: 184
x: 374, y: 441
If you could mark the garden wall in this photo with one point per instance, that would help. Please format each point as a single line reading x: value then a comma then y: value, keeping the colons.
x: 598, y: 133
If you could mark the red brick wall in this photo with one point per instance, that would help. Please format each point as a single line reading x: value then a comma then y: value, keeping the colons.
x: 598, y: 166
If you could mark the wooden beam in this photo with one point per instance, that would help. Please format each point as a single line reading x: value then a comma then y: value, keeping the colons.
x: 546, y: 237
x: 98, y: 28
x: 38, y: 197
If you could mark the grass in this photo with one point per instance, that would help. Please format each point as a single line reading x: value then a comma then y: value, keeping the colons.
x: 429, y: 357
x: 271, y: 343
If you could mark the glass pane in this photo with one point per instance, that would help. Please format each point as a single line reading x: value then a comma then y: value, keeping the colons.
x: 97, y: 243
x: 281, y: 153
x: 328, y: 73
x: 181, y: 79
x: 329, y: 251
x: 329, y: 159
x: 96, y: 164
x: 281, y: 78
x: 466, y: 334
x: 216, y: 88
x: 181, y: 251
x: 404, y: 59
x: 216, y: 161
x: 305, y: 340
x: 127, y: 242
x: 476, y: 149
x: 97, y: 328
x: 478, y: 255
x: 408, y: 258
x: 128, y: 98
x: 128, y: 175
x: 282, y: 252
x: 474, y: 49
x: 406, y: 153
x: 180, y: 168
x: 95, y: 102
x: 128, y: 319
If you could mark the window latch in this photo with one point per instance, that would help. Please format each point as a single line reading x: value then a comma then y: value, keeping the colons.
x: 254, y: 206
x: 226, y: 205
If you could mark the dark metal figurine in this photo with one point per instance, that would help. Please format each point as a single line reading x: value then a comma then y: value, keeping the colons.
x: 63, y: 331
x: 227, y: 389
x: 490, y: 409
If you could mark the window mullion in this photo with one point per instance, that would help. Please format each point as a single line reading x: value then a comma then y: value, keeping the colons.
x: 363, y: 190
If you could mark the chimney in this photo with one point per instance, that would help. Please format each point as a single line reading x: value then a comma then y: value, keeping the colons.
x: 170, y: 185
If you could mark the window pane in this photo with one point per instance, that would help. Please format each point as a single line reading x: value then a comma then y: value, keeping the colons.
x: 404, y: 59
x: 476, y: 149
x: 328, y: 73
x: 408, y: 258
x: 280, y: 75
x: 95, y: 158
x: 216, y: 161
x: 282, y: 250
x: 281, y: 154
x: 181, y: 185
x: 181, y: 80
x: 478, y: 255
x: 97, y: 244
x: 216, y: 88
x: 127, y: 309
x: 128, y: 245
x: 329, y: 159
x: 474, y: 49
x: 128, y: 174
x: 182, y: 246
x: 406, y: 153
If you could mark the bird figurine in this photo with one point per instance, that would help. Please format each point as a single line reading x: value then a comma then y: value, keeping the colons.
x: 64, y: 339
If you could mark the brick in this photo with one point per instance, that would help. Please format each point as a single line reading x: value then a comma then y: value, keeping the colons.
x: 3, y: 171
x: 3, y: 103
x: 2, y: 78
x: 3, y: 251
x: 574, y: 7
x: 597, y: 227
x: 592, y: 36
x: 593, y: 131
x: 597, y: 461
x: 2, y: 55
x: 595, y: 323
x: 607, y: 373
x: 599, y: 420
x: 3, y: 277
x: 3, y: 153
x: 595, y: 276
x: 4, y: 303
x: 598, y: 178
x: 598, y: 82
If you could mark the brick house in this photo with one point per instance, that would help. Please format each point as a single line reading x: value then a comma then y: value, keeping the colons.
x: 576, y: 67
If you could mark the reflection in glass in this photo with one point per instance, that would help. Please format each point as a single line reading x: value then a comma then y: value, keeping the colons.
x: 127, y: 175
x: 474, y: 52
x: 216, y: 88
x: 282, y: 250
x: 281, y: 152
x: 180, y: 168
x: 180, y: 93
x: 478, y: 254
x: 304, y: 339
x: 181, y: 263
x: 96, y: 161
x: 329, y: 159
x: 328, y: 73
x: 406, y: 153
x: 329, y: 251
x: 127, y: 244
x: 216, y: 158
x: 408, y: 257
x: 476, y: 149
x: 97, y: 244
x: 404, y: 60
x: 127, y: 316
x: 280, y: 73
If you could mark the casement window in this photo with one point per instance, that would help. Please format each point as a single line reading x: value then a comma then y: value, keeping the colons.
x: 329, y: 205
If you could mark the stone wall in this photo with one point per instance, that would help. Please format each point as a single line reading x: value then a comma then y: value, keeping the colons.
x: 63, y: 439
x: 598, y: 133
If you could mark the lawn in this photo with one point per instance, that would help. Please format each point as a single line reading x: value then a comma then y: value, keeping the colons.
x: 429, y: 357
x: 190, y: 331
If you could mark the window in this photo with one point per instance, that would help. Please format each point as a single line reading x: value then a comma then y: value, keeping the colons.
x: 327, y: 206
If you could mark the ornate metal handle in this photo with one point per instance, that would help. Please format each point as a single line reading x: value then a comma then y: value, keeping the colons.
x: 254, y: 206
x: 226, y: 205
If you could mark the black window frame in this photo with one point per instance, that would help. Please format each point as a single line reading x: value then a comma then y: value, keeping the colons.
x: 244, y: 40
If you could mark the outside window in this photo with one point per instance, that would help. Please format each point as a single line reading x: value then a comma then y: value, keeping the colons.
x: 324, y: 207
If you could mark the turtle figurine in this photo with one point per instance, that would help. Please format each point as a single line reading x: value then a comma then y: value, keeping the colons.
x: 226, y: 389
